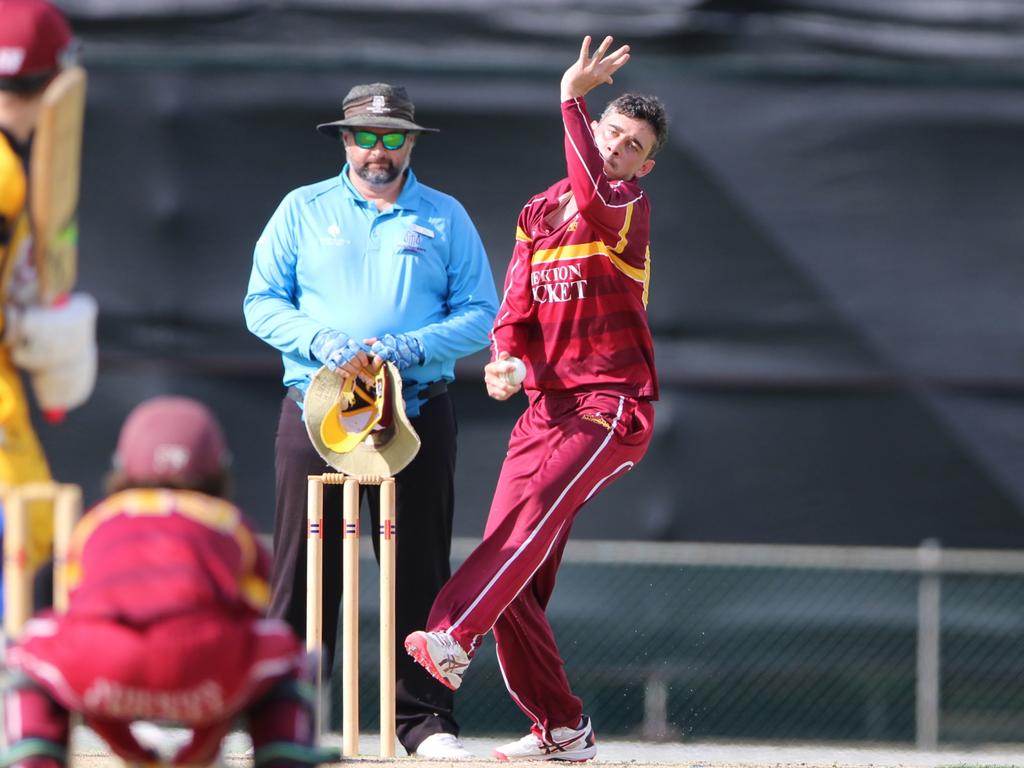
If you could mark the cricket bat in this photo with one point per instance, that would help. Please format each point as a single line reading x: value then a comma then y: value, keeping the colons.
x: 58, y: 348
x: 54, y: 173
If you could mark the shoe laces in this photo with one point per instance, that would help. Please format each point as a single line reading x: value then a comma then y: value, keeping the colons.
x: 455, y: 657
x: 565, y: 733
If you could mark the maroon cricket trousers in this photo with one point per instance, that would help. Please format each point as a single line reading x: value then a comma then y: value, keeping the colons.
x: 564, y: 449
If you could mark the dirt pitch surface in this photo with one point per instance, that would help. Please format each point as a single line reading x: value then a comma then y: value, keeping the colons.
x: 90, y: 752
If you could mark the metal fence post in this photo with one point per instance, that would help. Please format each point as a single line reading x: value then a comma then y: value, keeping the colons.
x: 656, y: 726
x: 928, y: 632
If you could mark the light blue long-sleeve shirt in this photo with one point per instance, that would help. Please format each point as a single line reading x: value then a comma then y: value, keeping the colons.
x: 329, y: 259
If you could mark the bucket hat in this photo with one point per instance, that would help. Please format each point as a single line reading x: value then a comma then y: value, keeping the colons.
x: 360, y: 429
x: 375, y: 105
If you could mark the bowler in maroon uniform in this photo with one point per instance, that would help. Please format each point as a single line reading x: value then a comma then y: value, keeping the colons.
x: 574, y: 309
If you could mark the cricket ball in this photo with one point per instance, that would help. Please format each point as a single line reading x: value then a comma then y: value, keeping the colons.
x: 518, y: 373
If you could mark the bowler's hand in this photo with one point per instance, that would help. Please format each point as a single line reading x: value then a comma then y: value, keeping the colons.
x: 495, y: 378
x: 588, y: 72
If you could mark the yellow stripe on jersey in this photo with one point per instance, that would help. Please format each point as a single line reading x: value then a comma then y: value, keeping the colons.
x: 522, y: 237
x: 647, y: 274
x: 255, y: 591
x: 212, y: 512
x: 209, y: 511
x: 585, y: 251
x: 217, y: 514
x: 640, y: 275
x: 621, y: 245
x: 575, y: 251
x: 223, y: 516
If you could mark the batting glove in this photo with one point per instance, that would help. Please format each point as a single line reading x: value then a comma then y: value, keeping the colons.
x: 334, y: 348
x: 401, y: 349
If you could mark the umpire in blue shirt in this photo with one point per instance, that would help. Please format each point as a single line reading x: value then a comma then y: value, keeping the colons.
x: 373, y: 264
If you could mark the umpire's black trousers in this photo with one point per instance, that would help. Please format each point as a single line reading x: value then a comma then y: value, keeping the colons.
x: 424, y: 510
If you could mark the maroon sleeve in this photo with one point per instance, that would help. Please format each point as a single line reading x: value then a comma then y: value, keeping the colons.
x: 609, y: 207
x: 511, y: 324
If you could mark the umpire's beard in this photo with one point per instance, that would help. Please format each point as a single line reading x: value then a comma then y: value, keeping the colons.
x: 381, y: 174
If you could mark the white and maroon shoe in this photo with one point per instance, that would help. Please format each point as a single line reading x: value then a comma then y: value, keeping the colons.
x: 571, y: 744
x: 440, y: 655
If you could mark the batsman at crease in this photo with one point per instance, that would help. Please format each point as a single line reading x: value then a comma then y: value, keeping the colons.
x: 47, y: 332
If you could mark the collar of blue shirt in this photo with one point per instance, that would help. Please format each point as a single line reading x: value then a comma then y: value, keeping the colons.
x: 408, y: 199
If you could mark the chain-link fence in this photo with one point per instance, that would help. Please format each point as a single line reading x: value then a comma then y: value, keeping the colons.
x: 684, y: 641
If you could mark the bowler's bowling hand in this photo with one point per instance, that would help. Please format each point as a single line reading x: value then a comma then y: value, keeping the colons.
x: 496, y: 377
x: 588, y: 72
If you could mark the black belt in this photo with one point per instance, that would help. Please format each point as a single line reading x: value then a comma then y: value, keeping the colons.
x: 427, y: 391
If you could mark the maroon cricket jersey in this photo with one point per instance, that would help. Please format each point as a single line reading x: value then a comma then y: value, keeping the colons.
x: 574, y: 306
x: 145, y: 555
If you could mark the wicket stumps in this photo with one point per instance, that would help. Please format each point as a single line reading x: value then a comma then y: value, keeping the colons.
x: 350, y: 601
x: 67, y: 508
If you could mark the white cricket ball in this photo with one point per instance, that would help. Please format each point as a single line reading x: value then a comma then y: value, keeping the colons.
x: 517, y: 374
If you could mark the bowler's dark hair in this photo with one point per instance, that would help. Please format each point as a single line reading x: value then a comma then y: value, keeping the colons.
x: 640, y: 106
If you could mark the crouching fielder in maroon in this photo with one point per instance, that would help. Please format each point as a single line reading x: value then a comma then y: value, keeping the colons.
x: 168, y: 585
x: 574, y: 310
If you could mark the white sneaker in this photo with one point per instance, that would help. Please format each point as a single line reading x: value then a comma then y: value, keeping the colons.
x: 440, y: 655
x: 443, y: 746
x: 572, y: 744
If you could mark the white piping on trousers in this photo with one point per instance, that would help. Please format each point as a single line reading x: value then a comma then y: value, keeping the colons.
x: 554, y: 540
x: 537, y: 721
x: 13, y: 724
x: 536, y: 530
x: 504, y: 677
x: 627, y: 465
x: 36, y: 667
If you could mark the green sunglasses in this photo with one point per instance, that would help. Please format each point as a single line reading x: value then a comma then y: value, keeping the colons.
x: 368, y: 139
